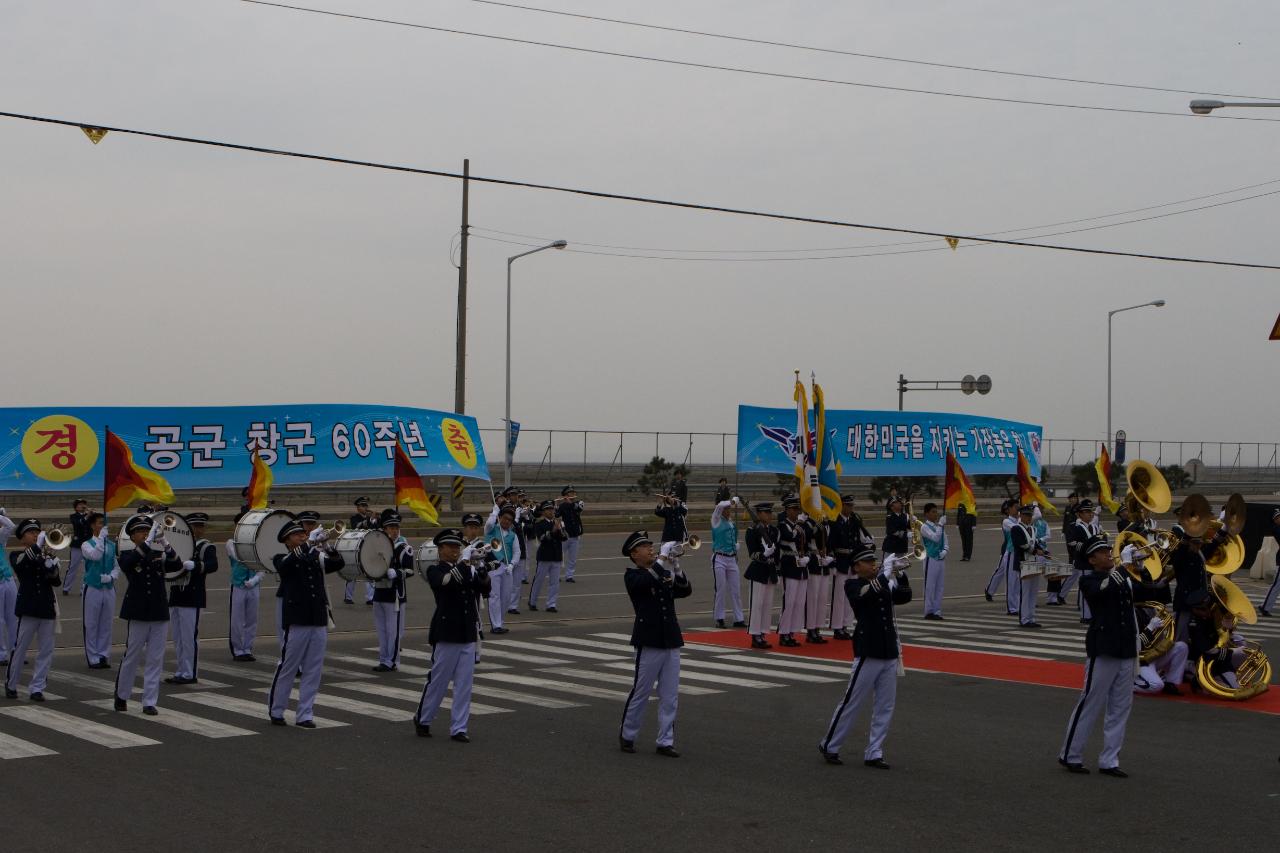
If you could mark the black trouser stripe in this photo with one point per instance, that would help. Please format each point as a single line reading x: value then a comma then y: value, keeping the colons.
x: 284, y: 648
x: 635, y: 685
x: 128, y: 641
x: 13, y: 653
x: 848, y: 694
x: 1075, y: 716
x: 195, y: 647
x: 395, y: 643
x: 417, y: 717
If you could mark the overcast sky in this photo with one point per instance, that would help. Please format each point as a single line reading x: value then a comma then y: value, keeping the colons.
x: 231, y: 277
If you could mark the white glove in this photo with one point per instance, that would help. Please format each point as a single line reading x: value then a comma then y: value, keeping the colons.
x: 253, y: 581
x: 1154, y: 624
x: 943, y: 521
x: 769, y: 550
x: 826, y: 561
x: 115, y: 573
x: 391, y: 574
x: 318, y: 535
x: 51, y: 562
x: 105, y: 534
x: 942, y: 555
x: 802, y: 561
x: 105, y: 578
x: 41, y: 540
x: 188, y: 565
x: 802, y: 517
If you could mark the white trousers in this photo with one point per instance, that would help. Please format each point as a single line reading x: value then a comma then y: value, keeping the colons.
x: 724, y: 569
x: 186, y: 636
x: 303, y: 650
x: 349, y: 591
x: 518, y: 574
x: 871, y: 676
x: 144, y: 644
x: 1029, y: 588
x: 571, y: 555
x: 388, y: 621
x: 935, y: 572
x: 815, y: 601
x: 1108, y: 693
x: 280, y: 625
x: 1170, y: 666
x: 997, y: 577
x: 244, y: 619
x: 761, y: 607
x: 791, y: 619
x: 660, y: 667
x: 75, y: 563
x: 548, y: 573
x: 8, y: 622
x: 841, y: 611
x: 499, y: 594
x: 1067, y: 583
x: 450, y: 662
x: 42, y: 631
x: 98, y: 608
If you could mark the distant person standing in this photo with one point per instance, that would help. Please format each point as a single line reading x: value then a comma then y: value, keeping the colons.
x: 680, y: 487
x: 934, y: 532
x: 570, y: 513
x: 99, y: 606
x: 724, y: 564
x: 80, y: 534
x: 8, y: 591
x: 364, y: 519
x: 36, y: 609
x: 722, y: 491
x: 549, y: 533
x: 965, y: 523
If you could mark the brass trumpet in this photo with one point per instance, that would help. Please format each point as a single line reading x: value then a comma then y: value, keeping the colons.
x: 56, y: 540
x: 338, y: 528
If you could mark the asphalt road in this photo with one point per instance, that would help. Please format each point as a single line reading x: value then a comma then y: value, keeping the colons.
x: 973, y: 758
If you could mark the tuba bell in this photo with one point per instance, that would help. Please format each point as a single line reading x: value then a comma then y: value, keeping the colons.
x: 1148, y: 490
x: 1161, y: 640
x: 1253, y: 672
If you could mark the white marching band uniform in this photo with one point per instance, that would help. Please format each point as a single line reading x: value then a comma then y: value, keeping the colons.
x: 724, y: 563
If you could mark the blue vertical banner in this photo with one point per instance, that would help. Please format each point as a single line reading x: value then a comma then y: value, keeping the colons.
x: 513, y: 434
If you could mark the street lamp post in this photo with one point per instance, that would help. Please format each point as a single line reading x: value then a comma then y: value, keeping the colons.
x: 1159, y: 303
x: 1204, y: 107
x: 506, y: 451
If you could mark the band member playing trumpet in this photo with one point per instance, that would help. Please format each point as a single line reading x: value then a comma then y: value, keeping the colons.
x: 724, y: 562
x: 1112, y: 646
x: 762, y: 572
x: 99, y: 605
x: 8, y: 591
x: 390, y: 598
x: 656, y: 636
x: 846, y: 536
x: 569, y: 511
x: 186, y: 600
x: 306, y: 622
x: 502, y: 579
x: 873, y: 595
x: 455, y: 629
x: 246, y: 592
x: 936, y: 547
x: 672, y: 512
x: 364, y: 519
x: 550, y: 533
x: 36, y: 567
x: 793, y: 566
x: 80, y: 534
x: 145, y: 609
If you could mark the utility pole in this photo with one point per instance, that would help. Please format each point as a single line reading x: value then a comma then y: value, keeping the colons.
x: 460, y: 380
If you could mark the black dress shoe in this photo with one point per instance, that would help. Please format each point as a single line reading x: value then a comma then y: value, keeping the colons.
x: 306, y: 724
x: 421, y: 730
x: 668, y: 751
x: 1084, y: 621
x: 1053, y: 603
x: 10, y: 694
x: 382, y: 667
x: 347, y: 601
x: 1171, y: 689
x: 626, y: 745
x: 278, y: 721
x: 989, y: 596
x: 552, y: 610
x: 841, y: 634
x: 499, y: 630
x: 249, y: 659
x: 533, y: 607
x: 760, y: 643
x: 369, y: 603
x: 570, y: 580
x: 1264, y: 611
x: 150, y: 710
x: 816, y: 638
x: 460, y: 737
x: 1113, y: 771
x: 1072, y: 767
x: 104, y: 664
x: 933, y: 617
x: 1012, y: 613
x: 1030, y: 625
x: 37, y: 696
x: 121, y: 705
x: 830, y: 757
x: 877, y: 763
x: 739, y: 624
x: 719, y: 623
x: 513, y: 612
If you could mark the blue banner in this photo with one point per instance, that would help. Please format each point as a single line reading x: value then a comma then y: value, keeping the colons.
x: 513, y: 436
x: 890, y: 444
x: 54, y: 448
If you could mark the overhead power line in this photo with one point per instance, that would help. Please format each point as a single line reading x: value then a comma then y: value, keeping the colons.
x: 777, y: 75
x: 637, y: 199
x: 859, y: 55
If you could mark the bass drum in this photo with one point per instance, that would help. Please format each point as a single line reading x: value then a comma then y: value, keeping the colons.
x: 254, y: 540
x: 179, y: 536
x: 426, y: 557
x: 365, y: 553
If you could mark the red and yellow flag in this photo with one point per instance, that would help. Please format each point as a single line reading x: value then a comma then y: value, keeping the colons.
x: 1028, y: 489
x: 260, y: 480
x: 409, y: 489
x: 958, y: 491
x: 1103, y: 468
x: 124, y: 482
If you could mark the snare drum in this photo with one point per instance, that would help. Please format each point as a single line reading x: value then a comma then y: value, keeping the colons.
x: 426, y: 557
x: 1057, y: 570
x: 1031, y: 569
x: 179, y: 537
x: 254, y: 540
x: 365, y: 553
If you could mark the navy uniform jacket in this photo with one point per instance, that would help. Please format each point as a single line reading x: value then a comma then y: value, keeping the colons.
x: 146, y: 599
x: 844, y: 537
x: 1024, y: 545
x: 762, y: 569
x: 653, y: 593
x: 673, y: 526
x: 571, y: 515
x: 192, y: 593
x: 81, y: 532
x: 550, y: 541
x: 793, y: 542
x: 1076, y: 535
x: 1113, y: 628
x: 35, y: 584
x: 302, y: 572
x: 457, y: 615
x: 1188, y: 571
x: 680, y: 488
x: 896, y: 527
x: 876, y: 634
x: 361, y: 522
x: 401, y: 561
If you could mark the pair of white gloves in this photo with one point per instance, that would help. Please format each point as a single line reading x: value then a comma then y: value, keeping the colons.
x: 109, y: 577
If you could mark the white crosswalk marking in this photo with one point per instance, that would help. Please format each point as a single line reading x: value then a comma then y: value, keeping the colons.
x: 729, y: 681
x: 575, y: 653
x: 353, y: 706
x: 12, y: 747
x: 618, y: 678
x: 246, y: 708
x: 552, y: 684
x: 102, y: 735
x: 178, y: 720
x: 243, y: 671
x: 689, y: 661
x: 522, y: 698
x: 503, y: 654
x: 991, y: 648
x: 102, y: 685
x: 404, y: 667
x: 771, y: 660
x: 622, y: 648
x: 413, y: 654
x: 413, y: 696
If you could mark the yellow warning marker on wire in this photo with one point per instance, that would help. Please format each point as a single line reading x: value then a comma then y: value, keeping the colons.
x: 1275, y: 331
x: 95, y: 134
x: 952, y: 242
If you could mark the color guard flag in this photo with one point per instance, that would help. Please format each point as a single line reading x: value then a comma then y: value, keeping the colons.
x: 259, y: 481
x: 1028, y: 489
x: 124, y: 482
x: 409, y: 489
x: 805, y: 461
x: 958, y: 491
x: 1103, y: 468
x: 825, y: 454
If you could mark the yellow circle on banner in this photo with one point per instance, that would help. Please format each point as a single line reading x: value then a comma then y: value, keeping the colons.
x: 59, y: 448
x: 458, y: 442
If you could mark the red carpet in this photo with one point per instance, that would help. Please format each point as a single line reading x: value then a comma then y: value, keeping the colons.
x: 976, y: 665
